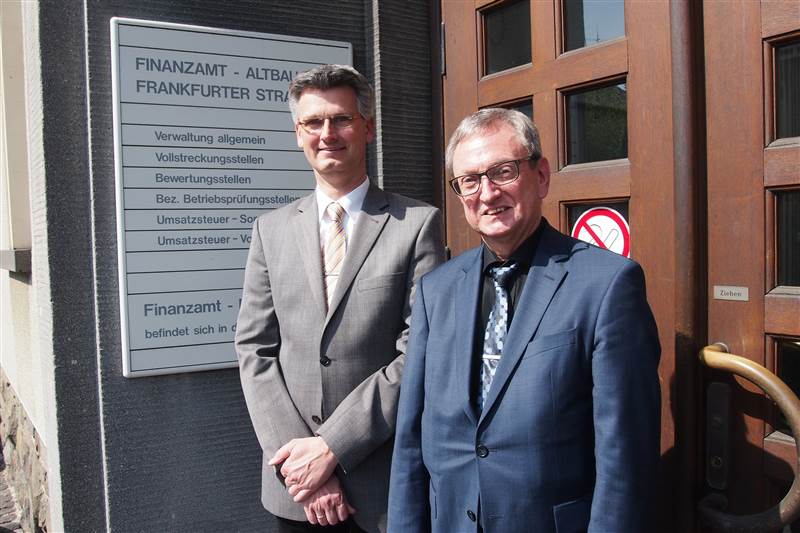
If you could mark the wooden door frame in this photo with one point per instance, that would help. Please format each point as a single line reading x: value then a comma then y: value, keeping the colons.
x: 664, y: 69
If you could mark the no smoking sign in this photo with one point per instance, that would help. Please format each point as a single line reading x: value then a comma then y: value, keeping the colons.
x: 606, y: 228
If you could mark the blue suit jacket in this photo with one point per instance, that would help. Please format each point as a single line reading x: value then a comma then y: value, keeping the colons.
x: 571, y: 423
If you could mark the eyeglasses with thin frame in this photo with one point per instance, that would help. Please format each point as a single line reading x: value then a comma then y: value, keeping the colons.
x: 500, y: 174
x: 314, y: 125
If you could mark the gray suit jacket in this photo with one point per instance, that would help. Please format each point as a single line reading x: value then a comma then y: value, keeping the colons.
x: 336, y: 374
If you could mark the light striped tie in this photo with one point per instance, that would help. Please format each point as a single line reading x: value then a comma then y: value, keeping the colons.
x: 335, y: 247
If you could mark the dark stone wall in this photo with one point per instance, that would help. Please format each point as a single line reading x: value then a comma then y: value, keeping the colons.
x: 403, y: 65
x: 68, y: 200
x: 176, y: 453
x: 181, y: 454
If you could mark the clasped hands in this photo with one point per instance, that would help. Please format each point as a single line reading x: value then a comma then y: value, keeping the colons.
x: 307, y: 469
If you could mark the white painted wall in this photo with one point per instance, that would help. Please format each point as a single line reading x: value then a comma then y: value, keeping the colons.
x: 20, y: 307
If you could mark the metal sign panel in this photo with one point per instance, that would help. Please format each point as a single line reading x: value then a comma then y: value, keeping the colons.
x: 732, y: 292
x: 204, y: 143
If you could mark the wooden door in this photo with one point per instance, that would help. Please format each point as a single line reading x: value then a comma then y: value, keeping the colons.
x: 752, y: 59
x: 613, y: 94
x: 709, y: 182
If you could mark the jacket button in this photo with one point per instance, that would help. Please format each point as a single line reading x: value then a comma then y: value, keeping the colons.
x: 325, y: 361
x: 482, y: 450
x: 316, y: 419
x: 471, y: 515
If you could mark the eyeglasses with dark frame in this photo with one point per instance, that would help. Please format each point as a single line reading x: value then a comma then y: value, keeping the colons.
x: 314, y: 125
x: 500, y: 174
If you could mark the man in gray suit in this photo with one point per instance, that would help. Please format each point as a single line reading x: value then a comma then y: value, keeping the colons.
x: 324, y: 317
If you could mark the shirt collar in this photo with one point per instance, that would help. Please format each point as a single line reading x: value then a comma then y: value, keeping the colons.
x: 524, y: 253
x: 350, y: 202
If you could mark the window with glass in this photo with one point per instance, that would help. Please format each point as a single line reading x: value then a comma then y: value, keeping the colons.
x: 788, y: 237
x: 788, y: 352
x: 590, y: 22
x: 787, y: 90
x: 525, y: 107
x: 507, y: 36
x: 597, y: 124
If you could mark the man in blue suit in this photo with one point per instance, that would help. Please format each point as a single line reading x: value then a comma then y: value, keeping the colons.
x: 530, y: 397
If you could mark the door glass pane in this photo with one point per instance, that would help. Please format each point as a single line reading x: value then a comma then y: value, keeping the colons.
x: 788, y: 228
x: 525, y: 107
x: 588, y: 22
x: 507, y: 36
x: 597, y: 124
x: 788, y: 371
x: 787, y: 90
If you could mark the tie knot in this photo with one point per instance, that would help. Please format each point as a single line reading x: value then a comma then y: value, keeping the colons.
x: 501, y: 274
x: 335, y: 211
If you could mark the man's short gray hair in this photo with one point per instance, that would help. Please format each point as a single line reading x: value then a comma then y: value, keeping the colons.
x: 329, y: 77
x: 488, y: 119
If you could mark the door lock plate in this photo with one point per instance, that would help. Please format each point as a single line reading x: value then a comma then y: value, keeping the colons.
x: 718, y: 400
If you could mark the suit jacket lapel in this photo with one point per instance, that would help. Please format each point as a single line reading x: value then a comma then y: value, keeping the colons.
x: 370, y: 223
x: 465, y: 314
x: 307, y: 233
x: 544, y: 278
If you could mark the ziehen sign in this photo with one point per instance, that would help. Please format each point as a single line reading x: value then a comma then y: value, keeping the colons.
x: 204, y: 143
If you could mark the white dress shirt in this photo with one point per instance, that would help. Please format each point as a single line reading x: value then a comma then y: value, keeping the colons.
x: 351, y: 203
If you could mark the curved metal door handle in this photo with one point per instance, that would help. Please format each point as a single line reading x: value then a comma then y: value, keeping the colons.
x: 788, y: 509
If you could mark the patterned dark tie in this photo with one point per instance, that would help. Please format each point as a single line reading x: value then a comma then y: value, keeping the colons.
x: 496, y: 329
